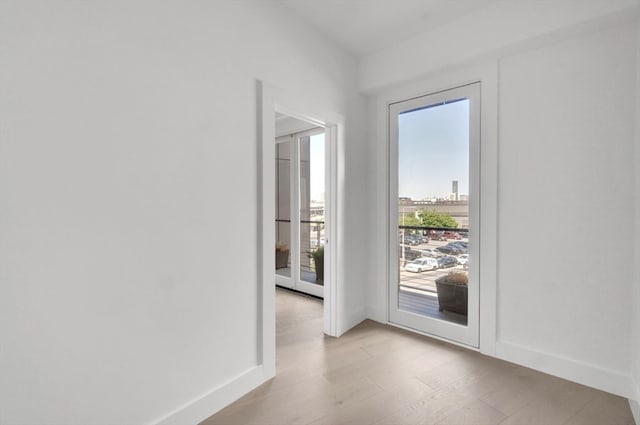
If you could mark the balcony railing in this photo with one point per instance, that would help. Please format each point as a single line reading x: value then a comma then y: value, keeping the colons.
x: 311, y: 238
x: 424, y: 255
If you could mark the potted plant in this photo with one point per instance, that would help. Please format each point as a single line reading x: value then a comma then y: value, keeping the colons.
x: 453, y: 293
x: 282, y: 255
x: 317, y: 256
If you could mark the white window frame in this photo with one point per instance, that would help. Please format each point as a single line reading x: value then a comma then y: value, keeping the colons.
x: 487, y: 74
x: 465, y: 334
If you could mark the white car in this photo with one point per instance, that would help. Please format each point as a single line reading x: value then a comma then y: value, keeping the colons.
x: 463, y: 259
x: 431, y: 252
x: 422, y: 264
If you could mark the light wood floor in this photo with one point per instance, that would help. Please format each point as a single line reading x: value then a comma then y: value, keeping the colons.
x: 377, y: 374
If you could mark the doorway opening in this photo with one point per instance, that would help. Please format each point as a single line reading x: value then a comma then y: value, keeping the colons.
x: 272, y: 104
x: 300, y: 205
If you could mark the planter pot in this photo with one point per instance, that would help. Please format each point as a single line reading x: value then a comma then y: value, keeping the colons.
x: 282, y: 259
x: 452, y: 297
x: 319, y: 265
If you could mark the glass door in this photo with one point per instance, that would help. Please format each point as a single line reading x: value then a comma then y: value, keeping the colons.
x: 300, y: 223
x: 434, y: 213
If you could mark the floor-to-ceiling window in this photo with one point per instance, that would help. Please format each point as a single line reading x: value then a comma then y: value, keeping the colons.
x: 434, y: 196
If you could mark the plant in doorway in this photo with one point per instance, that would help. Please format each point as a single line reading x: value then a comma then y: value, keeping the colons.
x: 282, y: 255
x: 317, y: 256
x: 453, y: 292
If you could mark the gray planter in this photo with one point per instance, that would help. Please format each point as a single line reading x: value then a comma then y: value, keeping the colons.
x: 282, y: 259
x: 452, y: 297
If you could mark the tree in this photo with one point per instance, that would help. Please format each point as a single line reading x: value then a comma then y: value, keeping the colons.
x: 436, y: 219
x: 409, y: 219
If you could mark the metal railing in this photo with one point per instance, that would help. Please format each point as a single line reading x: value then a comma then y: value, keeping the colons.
x: 412, y: 241
x: 448, y: 248
x: 311, y: 238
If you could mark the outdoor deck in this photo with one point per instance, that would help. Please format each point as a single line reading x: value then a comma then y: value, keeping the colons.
x: 307, y: 276
x: 417, y: 293
x: 425, y: 303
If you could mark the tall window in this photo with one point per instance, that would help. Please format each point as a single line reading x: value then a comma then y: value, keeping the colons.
x: 434, y: 145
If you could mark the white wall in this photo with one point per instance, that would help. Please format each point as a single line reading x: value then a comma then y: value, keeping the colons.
x: 635, y: 340
x: 357, y: 232
x: 128, y: 190
x: 565, y: 178
x: 503, y: 26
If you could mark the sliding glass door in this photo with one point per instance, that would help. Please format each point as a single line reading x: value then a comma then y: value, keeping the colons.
x: 300, y: 225
x: 434, y: 213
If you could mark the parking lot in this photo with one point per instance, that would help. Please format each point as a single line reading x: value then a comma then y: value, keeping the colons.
x: 424, y: 281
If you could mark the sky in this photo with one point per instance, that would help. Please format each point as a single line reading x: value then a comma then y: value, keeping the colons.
x: 434, y: 150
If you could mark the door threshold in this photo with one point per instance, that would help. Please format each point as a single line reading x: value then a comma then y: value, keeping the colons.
x: 304, y: 294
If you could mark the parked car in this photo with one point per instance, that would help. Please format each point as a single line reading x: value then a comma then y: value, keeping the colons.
x: 410, y: 254
x: 411, y: 240
x: 431, y: 252
x: 437, y: 235
x: 463, y: 259
x: 452, y: 235
x: 459, y: 246
x: 451, y: 249
x: 422, y: 264
x: 446, y: 261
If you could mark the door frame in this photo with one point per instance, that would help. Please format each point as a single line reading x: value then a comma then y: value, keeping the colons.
x: 487, y: 73
x: 294, y: 281
x: 468, y: 334
x: 298, y: 105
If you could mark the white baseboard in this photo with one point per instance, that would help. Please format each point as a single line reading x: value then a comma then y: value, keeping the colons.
x: 634, y: 402
x: 635, y: 409
x: 352, y: 320
x: 201, y: 408
x: 586, y: 374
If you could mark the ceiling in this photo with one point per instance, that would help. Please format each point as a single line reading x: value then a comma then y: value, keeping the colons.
x: 364, y: 26
x: 286, y: 125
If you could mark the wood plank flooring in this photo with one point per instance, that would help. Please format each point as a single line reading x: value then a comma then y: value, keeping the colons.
x: 377, y: 374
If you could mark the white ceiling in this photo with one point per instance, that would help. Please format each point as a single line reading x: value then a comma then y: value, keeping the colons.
x: 286, y: 125
x: 364, y: 26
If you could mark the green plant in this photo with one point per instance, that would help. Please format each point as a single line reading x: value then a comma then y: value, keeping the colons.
x: 316, y: 254
x: 318, y: 260
x: 457, y: 278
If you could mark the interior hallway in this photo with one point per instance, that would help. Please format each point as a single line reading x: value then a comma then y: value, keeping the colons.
x: 378, y: 374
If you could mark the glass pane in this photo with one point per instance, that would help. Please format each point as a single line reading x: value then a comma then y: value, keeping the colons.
x: 433, y: 210
x: 312, y: 209
x: 283, y: 209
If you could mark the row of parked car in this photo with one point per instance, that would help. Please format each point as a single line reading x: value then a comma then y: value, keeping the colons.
x: 436, y: 235
x: 449, y: 255
x: 429, y: 263
x: 414, y: 239
x: 452, y: 248
x: 443, y: 235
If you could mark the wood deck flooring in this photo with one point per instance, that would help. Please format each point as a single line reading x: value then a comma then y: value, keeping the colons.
x: 426, y: 304
x: 377, y: 374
